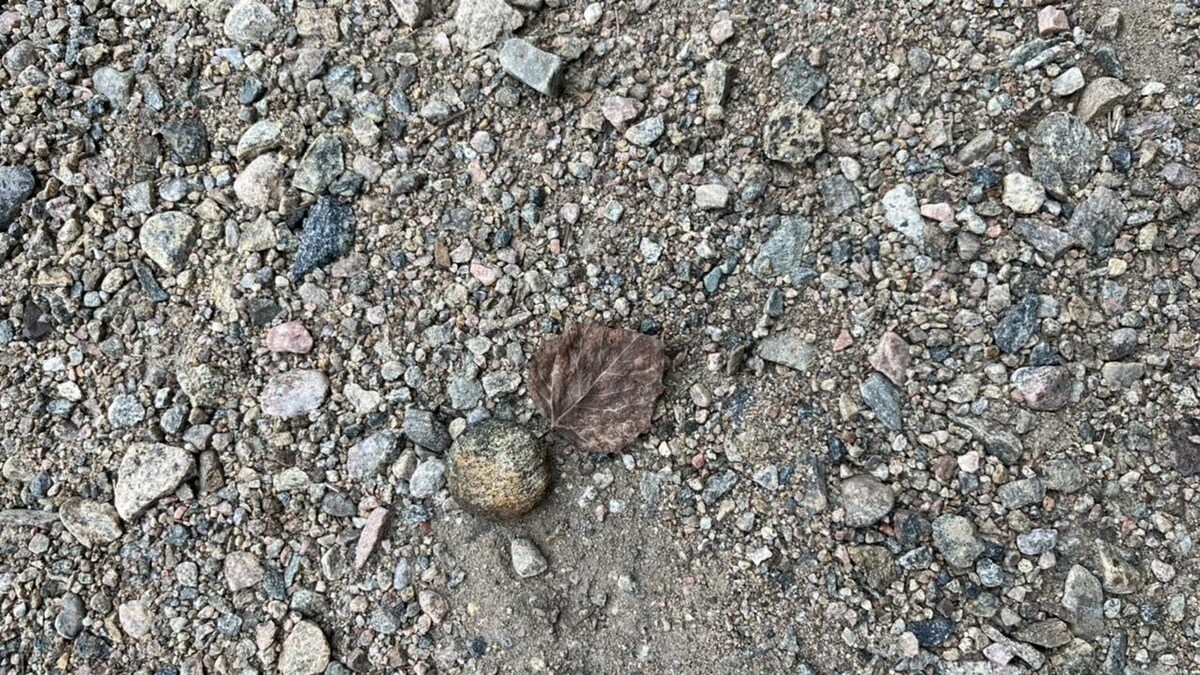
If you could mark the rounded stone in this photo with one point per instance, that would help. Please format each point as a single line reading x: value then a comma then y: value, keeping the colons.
x: 498, y: 470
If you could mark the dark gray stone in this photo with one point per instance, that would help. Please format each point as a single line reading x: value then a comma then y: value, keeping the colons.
x: 188, y: 140
x: 1097, y: 221
x: 1049, y: 241
x: 1020, y: 323
x: 422, y: 429
x: 16, y: 186
x: 839, y: 194
x: 884, y: 399
x: 932, y: 632
x: 783, y: 253
x: 996, y: 438
x: 718, y: 486
x: 320, y: 166
x: 1064, y: 153
x: 328, y: 235
x: 801, y: 82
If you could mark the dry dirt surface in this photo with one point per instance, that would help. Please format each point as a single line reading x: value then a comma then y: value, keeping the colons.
x: 927, y: 275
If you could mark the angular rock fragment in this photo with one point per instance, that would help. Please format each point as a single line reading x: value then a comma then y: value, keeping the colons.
x: 539, y: 69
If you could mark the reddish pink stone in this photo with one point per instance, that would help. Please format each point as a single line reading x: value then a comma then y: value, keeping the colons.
x: 940, y: 212
x: 369, y: 537
x: 843, y: 341
x: 891, y: 358
x: 620, y: 111
x: 486, y: 275
x: 1052, y: 20
x: 291, y: 337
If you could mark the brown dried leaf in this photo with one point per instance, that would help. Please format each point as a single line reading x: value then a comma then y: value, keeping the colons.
x: 597, y: 385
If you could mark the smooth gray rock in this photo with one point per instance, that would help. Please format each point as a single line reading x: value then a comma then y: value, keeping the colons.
x: 866, y: 500
x: 903, y: 212
x: 114, y: 85
x: 783, y: 252
x: 91, y: 523
x: 427, y: 479
x: 1049, y: 241
x: 1083, y: 598
x: 422, y: 429
x: 787, y: 349
x: 527, y: 560
x: 540, y: 70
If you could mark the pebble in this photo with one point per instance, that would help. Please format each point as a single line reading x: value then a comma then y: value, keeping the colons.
x: 422, y: 429
x: 1044, y: 388
x: 168, y: 239
x: 784, y: 251
x: 368, y: 457
x: 305, y: 651
x: 368, y: 538
x: 135, y: 619
x: 433, y: 605
x: 646, y: 132
x: 320, y: 166
x: 1023, y: 194
x: 149, y: 471
x: 1021, y: 493
x: 892, y: 358
x: 903, y: 212
x: 839, y: 195
x: 250, y: 22
x: 188, y: 140
x: 932, y: 632
x: 527, y: 560
x: 413, y: 12
x: 69, y: 621
x: 242, y: 571
x: 1049, y: 634
x: 538, y: 69
x: 289, y: 338
x: 1049, y: 241
x: 956, y: 539
x: 1098, y: 220
x: 1019, y: 325
x: 328, y: 235
x: 1099, y: 97
x: 480, y: 23
x: 1083, y: 598
x: 293, y: 393
x: 712, y: 197
x: 125, y: 411
x: 620, y: 111
x: 1118, y: 576
x: 116, y: 86
x: 262, y: 136
x: 865, y: 500
x: 17, y: 185
x: 1068, y: 82
x: 787, y: 349
x: 258, y: 185
x: 1051, y: 21
x: 427, y: 479
x: 1037, y: 541
x: 497, y: 470
x: 91, y: 523
x: 884, y: 399
x: 793, y: 134
x: 1063, y: 153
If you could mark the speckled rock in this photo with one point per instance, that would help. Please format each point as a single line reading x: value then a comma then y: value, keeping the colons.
x: 168, y: 238
x: 793, y: 134
x: 498, y: 470
x: 294, y: 393
x: 148, y: 472
x: 91, y: 523
x: 305, y: 650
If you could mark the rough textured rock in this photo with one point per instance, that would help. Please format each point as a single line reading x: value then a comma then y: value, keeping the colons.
x: 787, y: 349
x: 527, y: 560
x: 294, y: 393
x: 498, y: 470
x: 328, y: 236
x: 305, y: 650
x: 16, y: 186
x: 168, y: 238
x: 1063, y: 153
x: 250, y: 22
x: 793, y: 134
x: 482, y: 22
x: 1045, y: 388
x: 783, y: 253
x: 148, y: 472
x: 956, y: 539
x: 903, y: 212
x: 91, y: 523
x: 370, y: 456
x: 1098, y: 220
x: 1099, y: 97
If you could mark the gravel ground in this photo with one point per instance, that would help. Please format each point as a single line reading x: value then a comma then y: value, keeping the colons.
x: 926, y: 273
